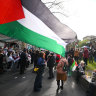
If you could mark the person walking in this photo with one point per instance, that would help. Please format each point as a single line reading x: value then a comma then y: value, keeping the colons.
x: 76, y: 55
x: 70, y: 61
x: 23, y: 61
x: 61, y: 73
x: 38, y: 79
x: 85, y: 55
x: 50, y: 65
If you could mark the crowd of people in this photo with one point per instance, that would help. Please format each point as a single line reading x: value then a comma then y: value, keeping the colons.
x: 19, y: 60
x: 83, y: 54
x: 82, y: 57
x: 14, y: 60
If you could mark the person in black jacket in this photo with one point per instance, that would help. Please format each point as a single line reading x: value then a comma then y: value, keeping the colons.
x: 50, y: 64
x: 46, y: 54
x: 32, y: 55
x: 71, y: 52
x: 23, y: 61
x: 70, y: 59
x: 36, y: 56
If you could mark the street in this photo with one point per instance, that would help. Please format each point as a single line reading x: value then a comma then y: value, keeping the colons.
x: 22, y: 85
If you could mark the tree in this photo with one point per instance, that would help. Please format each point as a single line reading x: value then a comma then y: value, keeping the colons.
x: 83, y: 43
x: 57, y: 5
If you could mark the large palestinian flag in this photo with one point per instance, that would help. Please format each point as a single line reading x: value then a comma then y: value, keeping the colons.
x: 33, y: 30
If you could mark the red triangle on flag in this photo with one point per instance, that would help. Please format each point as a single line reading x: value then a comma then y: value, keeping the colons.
x: 10, y: 10
x: 76, y: 63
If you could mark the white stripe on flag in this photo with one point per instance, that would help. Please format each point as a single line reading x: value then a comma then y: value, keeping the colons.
x: 35, y: 24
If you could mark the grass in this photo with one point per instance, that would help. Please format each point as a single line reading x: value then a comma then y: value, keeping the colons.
x: 90, y: 68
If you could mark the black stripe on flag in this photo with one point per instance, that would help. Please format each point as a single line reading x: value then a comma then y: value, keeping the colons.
x: 43, y: 13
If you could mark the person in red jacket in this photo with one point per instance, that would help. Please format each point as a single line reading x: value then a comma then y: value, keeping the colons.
x: 85, y: 55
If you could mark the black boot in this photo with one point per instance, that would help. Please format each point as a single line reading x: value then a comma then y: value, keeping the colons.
x: 58, y: 89
x: 58, y: 83
x: 61, y: 87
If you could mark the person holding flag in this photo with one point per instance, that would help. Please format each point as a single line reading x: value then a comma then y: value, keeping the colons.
x: 74, y: 65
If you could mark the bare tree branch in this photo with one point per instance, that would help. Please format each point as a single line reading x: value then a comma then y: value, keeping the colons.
x: 59, y: 6
x: 61, y: 13
x: 52, y: 4
x: 48, y: 3
x: 58, y: 3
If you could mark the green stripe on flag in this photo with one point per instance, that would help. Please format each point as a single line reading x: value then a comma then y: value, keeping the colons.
x: 72, y: 65
x: 17, y: 31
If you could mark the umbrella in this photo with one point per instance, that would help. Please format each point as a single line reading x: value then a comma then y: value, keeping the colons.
x: 85, y: 47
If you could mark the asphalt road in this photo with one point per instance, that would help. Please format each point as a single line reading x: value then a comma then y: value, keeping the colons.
x: 22, y: 85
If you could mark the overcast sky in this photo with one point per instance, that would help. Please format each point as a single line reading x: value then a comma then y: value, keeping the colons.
x: 80, y: 15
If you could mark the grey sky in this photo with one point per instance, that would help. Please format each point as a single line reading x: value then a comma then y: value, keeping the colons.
x: 80, y: 15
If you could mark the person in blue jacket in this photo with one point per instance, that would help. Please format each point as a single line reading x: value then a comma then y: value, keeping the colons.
x: 38, y: 79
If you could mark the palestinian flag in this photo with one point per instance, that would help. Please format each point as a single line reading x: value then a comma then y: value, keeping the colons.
x: 33, y: 30
x: 73, y: 66
x: 10, y: 10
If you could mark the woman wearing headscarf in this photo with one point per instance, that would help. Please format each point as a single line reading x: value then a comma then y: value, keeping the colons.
x: 61, y: 72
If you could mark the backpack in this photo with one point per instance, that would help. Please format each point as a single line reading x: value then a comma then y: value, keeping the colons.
x: 64, y: 67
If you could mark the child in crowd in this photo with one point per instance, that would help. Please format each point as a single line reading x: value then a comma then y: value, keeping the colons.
x: 80, y: 70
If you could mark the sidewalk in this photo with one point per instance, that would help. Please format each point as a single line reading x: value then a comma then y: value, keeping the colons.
x: 22, y: 85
